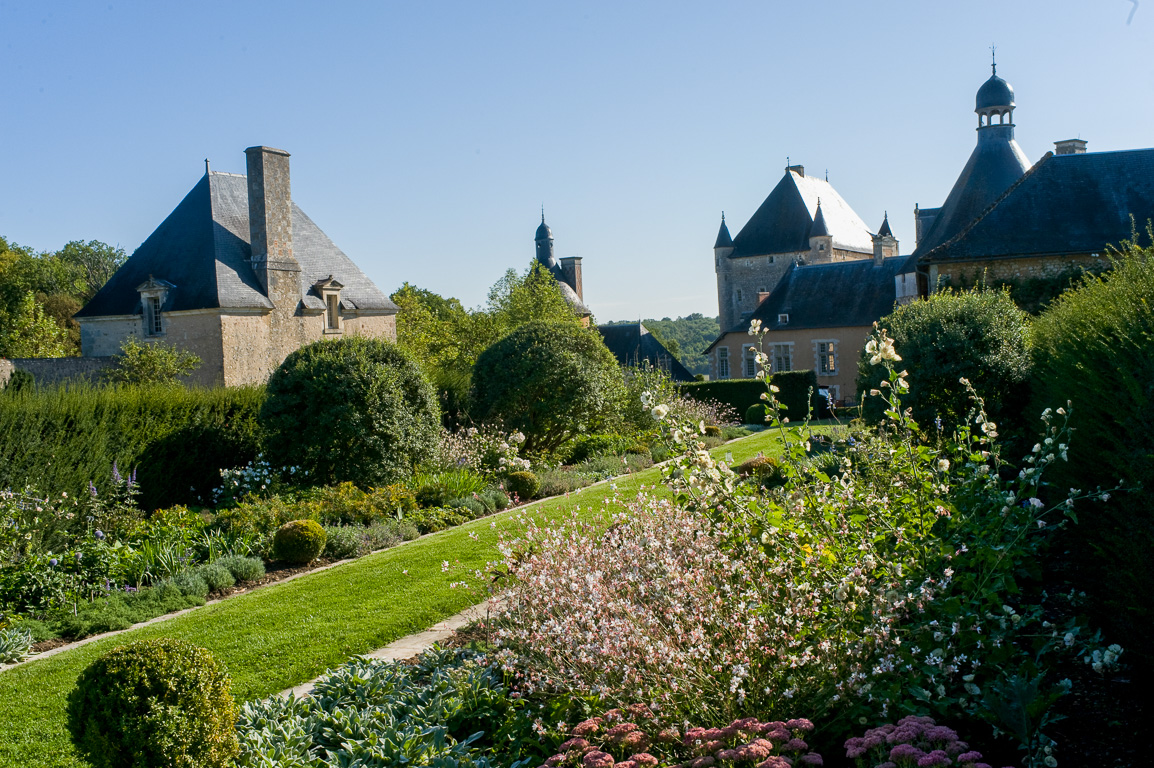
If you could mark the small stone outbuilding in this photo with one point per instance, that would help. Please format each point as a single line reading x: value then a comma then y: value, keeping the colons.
x: 238, y: 275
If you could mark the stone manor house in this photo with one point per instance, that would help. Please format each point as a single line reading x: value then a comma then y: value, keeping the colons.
x: 817, y: 277
x: 238, y: 275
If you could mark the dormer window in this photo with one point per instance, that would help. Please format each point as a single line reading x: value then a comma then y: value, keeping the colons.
x: 783, y: 319
x: 152, y: 297
x: 330, y: 293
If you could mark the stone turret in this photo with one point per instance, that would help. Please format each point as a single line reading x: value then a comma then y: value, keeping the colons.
x: 820, y: 240
x: 885, y: 244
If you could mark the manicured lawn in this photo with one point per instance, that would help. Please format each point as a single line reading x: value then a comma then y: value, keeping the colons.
x: 282, y: 635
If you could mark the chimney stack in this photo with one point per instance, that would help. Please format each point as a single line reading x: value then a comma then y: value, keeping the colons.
x: 798, y: 169
x: 571, y: 271
x: 1070, y: 147
x: 270, y: 216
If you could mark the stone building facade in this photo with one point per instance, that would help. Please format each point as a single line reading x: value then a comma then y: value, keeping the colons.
x: 239, y: 276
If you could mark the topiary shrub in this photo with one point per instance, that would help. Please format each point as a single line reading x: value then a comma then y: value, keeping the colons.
x: 979, y: 335
x: 756, y: 413
x: 299, y: 541
x: 712, y: 430
x: 524, y: 485
x: 356, y: 410
x: 161, y: 702
x: 551, y: 381
x: 798, y: 395
x: 243, y: 568
x: 216, y: 576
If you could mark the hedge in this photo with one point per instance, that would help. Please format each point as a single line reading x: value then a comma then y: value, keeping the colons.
x: 742, y: 393
x: 177, y: 440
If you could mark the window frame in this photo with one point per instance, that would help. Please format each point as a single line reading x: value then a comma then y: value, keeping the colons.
x: 723, y: 362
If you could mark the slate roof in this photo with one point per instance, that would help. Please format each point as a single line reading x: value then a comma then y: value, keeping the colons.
x: 784, y: 221
x: 1067, y: 204
x: 885, y: 230
x: 996, y: 163
x: 631, y: 343
x: 842, y: 294
x: 202, y: 248
x: 723, y: 239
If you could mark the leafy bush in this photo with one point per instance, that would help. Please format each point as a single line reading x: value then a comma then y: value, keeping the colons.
x: 756, y: 413
x: 436, y: 489
x: 587, y: 446
x: 557, y: 482
x: 243, y: 568
x: 343, y: 541
x: 151, y: 363
x: 154, y: 703
x: 356, y: 410
x: 15, y: 643
x: 474, y: 505
x: 1095, y: 350
x: 216, y: 576
x: 190, y: 584
x: 712, y: 430
x: 978, y: 335
x: 177, y: 440
x: 385, y: 535
x: 435, y: 519
x: 551, y: 381
x: 299, y: 541
x: 120, y: 610
x: 523, y: 485
x: 446, y: 710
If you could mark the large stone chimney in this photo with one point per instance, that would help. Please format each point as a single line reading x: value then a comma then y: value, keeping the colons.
x: 270, y: 224
x: 571, y: 271
x: 1070, y: 147
x: 271, y: 241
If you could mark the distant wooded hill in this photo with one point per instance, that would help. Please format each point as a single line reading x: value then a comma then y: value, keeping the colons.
x: 684, y: 337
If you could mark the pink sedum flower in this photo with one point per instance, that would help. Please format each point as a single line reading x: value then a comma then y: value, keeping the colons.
x: 597, y: 759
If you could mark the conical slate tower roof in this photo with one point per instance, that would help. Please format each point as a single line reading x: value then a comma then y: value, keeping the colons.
x: 885, y: 230
x: 723, y: 238
x: 819, y: 228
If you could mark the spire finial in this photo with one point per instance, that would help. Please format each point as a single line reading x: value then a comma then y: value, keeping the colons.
x: 206, y: 166
x: 993, y: 59
x: 827, y: 175
x: 542, y: 213
x: 723, y: 217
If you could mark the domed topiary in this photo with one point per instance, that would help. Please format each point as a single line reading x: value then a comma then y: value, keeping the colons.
x: 299, y: 541
x: 161, y: 702
x: 524, y: 485
x: 756, y: 413
x: 355, y: 410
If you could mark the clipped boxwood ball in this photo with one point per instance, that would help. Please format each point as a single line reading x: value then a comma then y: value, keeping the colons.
x: 524, y: 485
x: 299, y: 541
x: 757, y: 413
x: 161, y: 702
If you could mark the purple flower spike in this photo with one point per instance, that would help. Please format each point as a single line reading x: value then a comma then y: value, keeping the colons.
x: 92, y: 488
x: 115, y: 473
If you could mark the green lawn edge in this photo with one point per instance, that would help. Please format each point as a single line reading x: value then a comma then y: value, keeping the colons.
x: 285, y: 634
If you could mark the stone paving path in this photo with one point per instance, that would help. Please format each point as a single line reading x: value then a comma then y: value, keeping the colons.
x: 410, y: 645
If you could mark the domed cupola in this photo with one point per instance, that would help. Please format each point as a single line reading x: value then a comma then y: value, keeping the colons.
x: 544, y: 240
x: 995, y: 99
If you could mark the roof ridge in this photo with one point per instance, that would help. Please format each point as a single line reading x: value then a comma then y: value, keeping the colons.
x: 974, y: 222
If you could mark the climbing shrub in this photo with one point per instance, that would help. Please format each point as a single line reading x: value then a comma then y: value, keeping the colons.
x: 299, y: 541
x: 356, y: 410
x: 161, y: 702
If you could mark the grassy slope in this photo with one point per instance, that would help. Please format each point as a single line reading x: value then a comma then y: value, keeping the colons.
x: 283, y: 635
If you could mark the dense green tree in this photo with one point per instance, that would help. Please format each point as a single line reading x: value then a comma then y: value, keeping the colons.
x: 356, y: 409
x: 152, y: 363
x: 551, y: 381
x: 978, y: 334
x: 27, y: 331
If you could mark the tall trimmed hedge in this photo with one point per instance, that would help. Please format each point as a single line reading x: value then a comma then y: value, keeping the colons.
x: 1094, y: 347
x: 742, y: 393
x: 176, y: 439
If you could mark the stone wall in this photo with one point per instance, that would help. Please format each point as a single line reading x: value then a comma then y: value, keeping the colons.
x: 49, y: 371
x: 1025, y: 268
x: 848, y: 342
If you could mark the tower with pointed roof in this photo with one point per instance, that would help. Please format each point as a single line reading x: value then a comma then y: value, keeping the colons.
x: 803, y: 221
x: 567, y: 271
x: 996, y: 163
x: 885, y: 244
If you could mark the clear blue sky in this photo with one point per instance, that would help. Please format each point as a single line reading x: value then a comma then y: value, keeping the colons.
x: 425, y: 136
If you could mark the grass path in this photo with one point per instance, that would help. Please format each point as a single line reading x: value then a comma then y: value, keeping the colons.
x: 284, y: 634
